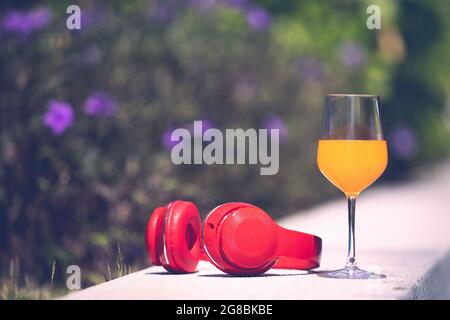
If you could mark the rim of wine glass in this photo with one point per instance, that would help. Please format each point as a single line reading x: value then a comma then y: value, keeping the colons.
x: 362, y: 95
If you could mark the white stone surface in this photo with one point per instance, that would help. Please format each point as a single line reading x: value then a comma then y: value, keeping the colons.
x: 402, y: 231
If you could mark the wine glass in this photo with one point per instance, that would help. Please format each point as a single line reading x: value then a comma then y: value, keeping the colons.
x: 352, y: 154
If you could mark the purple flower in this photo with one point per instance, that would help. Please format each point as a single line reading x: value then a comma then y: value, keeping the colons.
x: 275, y: 122
x: 310, y: 69
x: 26, y: 22
x: 16, y: 21
x: 352, y: 55
x: 58, y: 117
x: 100, y: 104
x: 258, y: 18
x: 403, y: 142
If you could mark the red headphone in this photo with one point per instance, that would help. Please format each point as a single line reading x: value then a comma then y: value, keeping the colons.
x: 238, y: 238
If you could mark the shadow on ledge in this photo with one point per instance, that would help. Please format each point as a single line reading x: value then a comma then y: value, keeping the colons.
x: 435, y: 284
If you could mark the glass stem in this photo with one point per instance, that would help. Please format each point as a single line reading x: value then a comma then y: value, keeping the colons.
x: 351, y: 259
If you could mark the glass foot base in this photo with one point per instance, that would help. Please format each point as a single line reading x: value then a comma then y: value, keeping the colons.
x: 351, y: 273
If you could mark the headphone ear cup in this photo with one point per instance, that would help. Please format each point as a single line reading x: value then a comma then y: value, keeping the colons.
x: 182, y: 237
x: 209, y: 234
x: 249, y: 239
x: 154, y: 235
x: 212, y: 242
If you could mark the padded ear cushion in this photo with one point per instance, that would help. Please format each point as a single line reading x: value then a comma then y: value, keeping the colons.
x: 182, y: 237
x: 154, y: 235
x: 213, y: 247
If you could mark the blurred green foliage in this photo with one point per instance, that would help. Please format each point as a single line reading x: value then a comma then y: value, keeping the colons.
x: 72, y: 197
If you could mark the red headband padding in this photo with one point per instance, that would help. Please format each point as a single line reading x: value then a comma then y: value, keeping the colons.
x: 298, y: 250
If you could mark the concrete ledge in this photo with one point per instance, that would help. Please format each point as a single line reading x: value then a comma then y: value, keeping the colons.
x: 402, y: 232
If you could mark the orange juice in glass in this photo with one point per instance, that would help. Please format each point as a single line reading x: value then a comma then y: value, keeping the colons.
x: 352, y: 154
x: 352, y: 165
